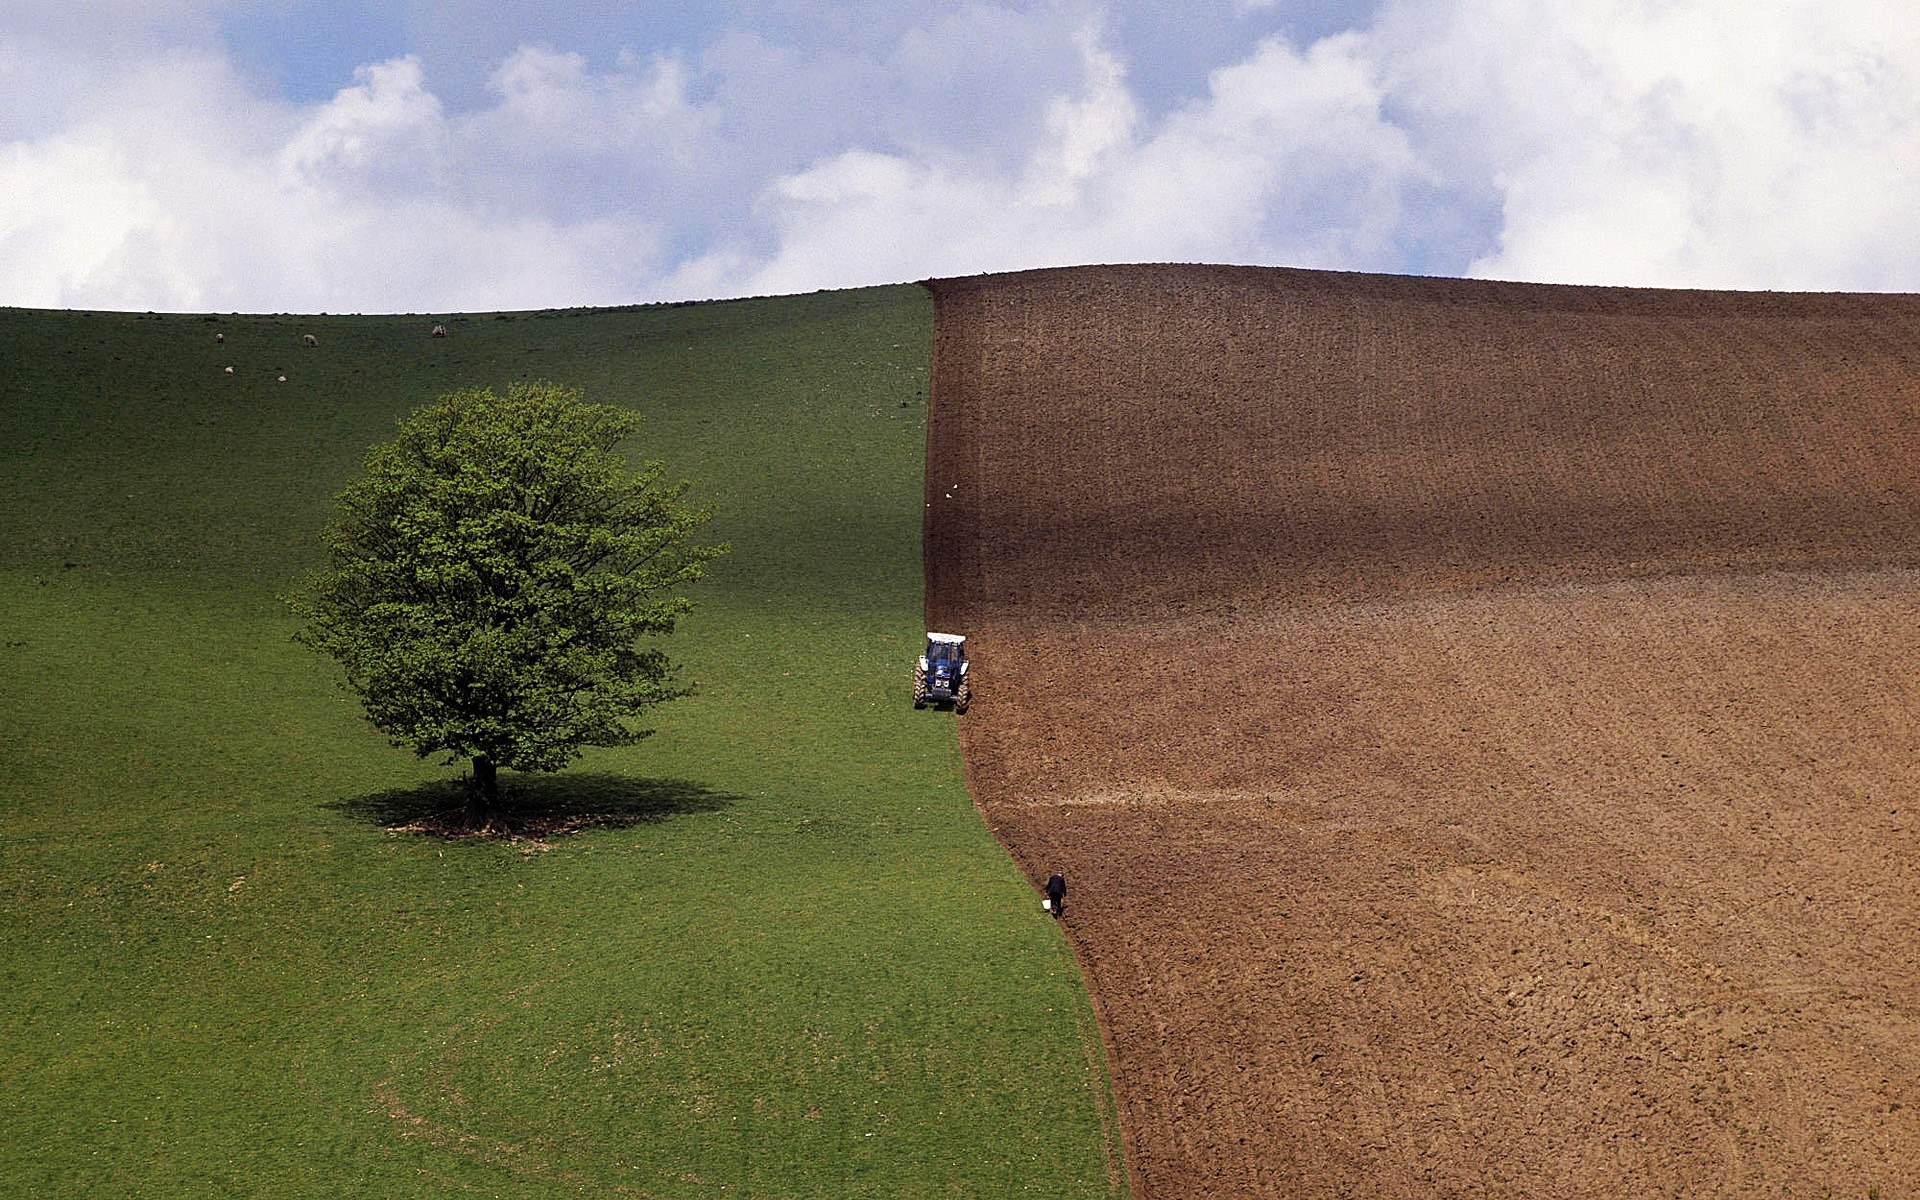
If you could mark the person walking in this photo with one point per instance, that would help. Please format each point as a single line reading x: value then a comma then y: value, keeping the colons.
x: 1056, y: 894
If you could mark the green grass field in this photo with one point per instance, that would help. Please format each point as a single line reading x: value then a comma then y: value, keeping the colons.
x: 798, y: 966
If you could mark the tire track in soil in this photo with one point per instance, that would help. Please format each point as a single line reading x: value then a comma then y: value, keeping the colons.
x: 1477, y: 719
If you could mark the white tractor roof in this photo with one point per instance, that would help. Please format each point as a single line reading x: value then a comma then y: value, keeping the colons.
x: 951, y: 639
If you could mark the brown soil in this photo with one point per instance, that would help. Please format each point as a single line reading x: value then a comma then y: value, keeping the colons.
x: 1476, y: 721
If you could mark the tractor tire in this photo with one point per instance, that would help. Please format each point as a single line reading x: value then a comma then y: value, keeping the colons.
x: 919, y: 688
x: 962, y: 697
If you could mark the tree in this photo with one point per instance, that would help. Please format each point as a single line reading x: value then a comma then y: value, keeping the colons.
x: 491, y: 577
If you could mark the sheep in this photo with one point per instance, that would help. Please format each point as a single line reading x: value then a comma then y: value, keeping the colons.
x: 229, y: 370
x: 307, y: 339
x: 219, y: 337
x: 439, y: 331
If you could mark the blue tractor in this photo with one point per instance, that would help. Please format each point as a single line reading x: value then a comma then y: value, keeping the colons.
x: 941, y: 675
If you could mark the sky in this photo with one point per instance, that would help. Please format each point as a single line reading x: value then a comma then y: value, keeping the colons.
x: 464, y: 156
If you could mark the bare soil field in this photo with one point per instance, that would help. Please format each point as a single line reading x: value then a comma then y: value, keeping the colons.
x: 1476, y: 721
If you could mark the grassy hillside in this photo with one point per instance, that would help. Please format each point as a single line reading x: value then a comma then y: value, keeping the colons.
x: 799, y: 966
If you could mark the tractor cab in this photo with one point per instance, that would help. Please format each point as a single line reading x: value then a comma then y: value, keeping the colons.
x: 941, y: 674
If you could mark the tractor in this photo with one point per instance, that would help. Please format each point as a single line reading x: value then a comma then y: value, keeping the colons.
x: 941, y: 674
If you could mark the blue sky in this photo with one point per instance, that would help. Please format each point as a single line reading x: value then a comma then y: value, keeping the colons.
x: 346, y: 155
x: 310, y: 47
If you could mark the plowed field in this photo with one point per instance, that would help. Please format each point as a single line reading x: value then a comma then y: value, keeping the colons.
x: 1476, y: 721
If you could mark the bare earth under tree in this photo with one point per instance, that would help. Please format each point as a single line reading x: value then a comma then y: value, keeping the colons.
x: 1477, y: 720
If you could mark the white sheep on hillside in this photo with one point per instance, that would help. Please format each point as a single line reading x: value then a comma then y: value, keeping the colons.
x: 439, y: 331
x: 307, y: 339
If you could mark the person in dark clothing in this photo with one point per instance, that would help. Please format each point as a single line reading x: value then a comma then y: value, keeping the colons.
x: 1056, y: 894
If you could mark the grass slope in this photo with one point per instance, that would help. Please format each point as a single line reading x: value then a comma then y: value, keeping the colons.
x: 800, y: 967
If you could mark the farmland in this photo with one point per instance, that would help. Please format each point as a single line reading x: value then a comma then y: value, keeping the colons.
x: 1477, y: 720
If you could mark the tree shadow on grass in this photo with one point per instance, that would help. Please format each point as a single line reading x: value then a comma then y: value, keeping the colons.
x: 534, y: 807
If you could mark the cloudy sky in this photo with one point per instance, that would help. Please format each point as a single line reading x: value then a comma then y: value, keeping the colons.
x: 465, y: 155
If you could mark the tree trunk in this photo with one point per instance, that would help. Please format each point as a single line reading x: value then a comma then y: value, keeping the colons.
x: 486, y: 788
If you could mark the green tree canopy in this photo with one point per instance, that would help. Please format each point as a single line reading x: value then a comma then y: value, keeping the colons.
x: 491, y: 577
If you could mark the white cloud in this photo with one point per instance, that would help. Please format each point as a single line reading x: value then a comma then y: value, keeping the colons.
x: 1287, y: 159
x: 387, y: 124
x: 1670, y: 142
x: 1084, y: 131
x: 1770, y: 143
x: 55, y: 235
x: 570, y: 184
x: 202, y: 196
x: 575, y: 144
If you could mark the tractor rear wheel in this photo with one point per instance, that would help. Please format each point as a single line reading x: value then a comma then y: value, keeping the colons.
x: 919, y: 687
x: 962, y: 696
